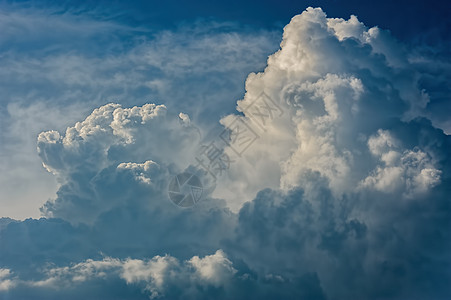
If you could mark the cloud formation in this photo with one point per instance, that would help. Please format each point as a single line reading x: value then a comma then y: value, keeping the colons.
x: 343, y: 193
x: 338, y: 84
x: 153, y: 277
x: 50, y: 79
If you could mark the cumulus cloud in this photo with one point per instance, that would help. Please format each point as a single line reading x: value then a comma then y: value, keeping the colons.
x: 350, y: 154
x: 341, y: 193
x: 338, y: 83
x: 112, y: 136
x: 88, y: 59
x: 214, y: 269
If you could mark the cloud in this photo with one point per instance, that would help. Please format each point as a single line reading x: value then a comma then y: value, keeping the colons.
x: 127, y: 140
x: 341, y: 193
x: 410, y: 171
x: 160, y: 277
x: 87, y: 60
x: 213, y: 269
x: 155, y: 277
x: 50, y: 29
x: 337, y: 83
x: 5, y: 280
x: 354, y: 165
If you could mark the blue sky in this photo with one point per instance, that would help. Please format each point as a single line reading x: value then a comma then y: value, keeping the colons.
x: 338, y: 189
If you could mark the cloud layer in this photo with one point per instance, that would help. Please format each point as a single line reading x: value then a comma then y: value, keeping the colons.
x: 342, y: 192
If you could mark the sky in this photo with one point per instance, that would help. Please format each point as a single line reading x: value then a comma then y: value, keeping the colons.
x: 226, y: 150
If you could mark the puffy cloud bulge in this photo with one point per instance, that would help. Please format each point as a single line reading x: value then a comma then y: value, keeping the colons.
x: 344, y: 195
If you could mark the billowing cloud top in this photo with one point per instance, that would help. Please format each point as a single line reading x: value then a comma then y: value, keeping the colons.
x: 343, y: 90
x: 338, y: 188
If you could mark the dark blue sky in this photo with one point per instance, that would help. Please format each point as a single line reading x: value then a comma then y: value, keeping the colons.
x: 419, y: 21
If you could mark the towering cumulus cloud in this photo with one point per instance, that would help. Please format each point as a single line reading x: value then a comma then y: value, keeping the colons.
x: 338, y: 188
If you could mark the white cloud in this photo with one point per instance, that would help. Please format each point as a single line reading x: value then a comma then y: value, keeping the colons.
x: 337, y: 83
x: 214, y: 269
x: 153, y: 272
x: 144, y: 140
x: 140, y: 170
x: 156, y: 276
x: 408, y: 171
x: 6, y: 280
x: 382, y: 143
